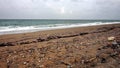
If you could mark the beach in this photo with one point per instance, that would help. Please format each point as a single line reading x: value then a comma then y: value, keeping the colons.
x: 75, y: 47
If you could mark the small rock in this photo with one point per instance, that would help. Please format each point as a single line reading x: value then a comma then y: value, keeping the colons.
x: 41, y: 66
x: 29, y: 51
x: 83, y: 61
x: 69, y: 66
x: 15, y: 52
x: 9, y: 55
x: 103, y: 60
x: 115, y: 44
x: 111, y: 38
x: 22, y: 55
x: 39, y: 61
x: 6, y: 46
x: 24, y: 63
x: 8, y: 61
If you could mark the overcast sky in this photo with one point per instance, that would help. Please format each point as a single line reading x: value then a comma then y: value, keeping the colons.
x: 60, y: 9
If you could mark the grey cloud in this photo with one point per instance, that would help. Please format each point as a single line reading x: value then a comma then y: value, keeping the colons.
x: 76, y: 9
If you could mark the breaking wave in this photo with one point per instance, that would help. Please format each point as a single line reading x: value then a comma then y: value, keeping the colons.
x: 23, y: 29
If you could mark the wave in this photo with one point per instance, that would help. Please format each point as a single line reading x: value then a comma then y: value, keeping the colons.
x: 24, y: 29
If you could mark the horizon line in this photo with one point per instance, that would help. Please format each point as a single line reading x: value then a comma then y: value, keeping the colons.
x: 57, y: 19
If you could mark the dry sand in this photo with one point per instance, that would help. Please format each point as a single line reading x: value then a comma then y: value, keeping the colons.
x: 80, y: 47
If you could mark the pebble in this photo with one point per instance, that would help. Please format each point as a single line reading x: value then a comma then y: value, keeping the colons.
x: 22, y: 55
x: 111, y: 38
x: 14, y: 52
x: 9, y: 55
x: 8, y: 61
x: 6, y: 46
x: 39, y: 61
x: 114, y: 43
x: 69, y: 66
x: 82, y: 61
x: 24, y: 63
x: 29, y: 51
x: 41, y: 66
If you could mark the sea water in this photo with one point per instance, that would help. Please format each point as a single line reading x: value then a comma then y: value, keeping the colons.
x: 11, y: 26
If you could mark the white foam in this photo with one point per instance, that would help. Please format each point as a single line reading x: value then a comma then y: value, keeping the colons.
x: 24, y: 29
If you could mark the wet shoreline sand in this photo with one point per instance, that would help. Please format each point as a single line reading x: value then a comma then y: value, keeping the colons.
x: 79, y: 47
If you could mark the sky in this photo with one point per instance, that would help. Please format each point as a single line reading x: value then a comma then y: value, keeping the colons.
x: 60, y: 9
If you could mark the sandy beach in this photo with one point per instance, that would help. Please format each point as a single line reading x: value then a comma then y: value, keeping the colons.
x: 78, y: 47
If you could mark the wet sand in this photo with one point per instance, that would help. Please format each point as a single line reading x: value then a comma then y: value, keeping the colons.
x: 80, y: 47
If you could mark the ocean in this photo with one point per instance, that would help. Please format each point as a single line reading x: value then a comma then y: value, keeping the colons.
x: 12, y: 26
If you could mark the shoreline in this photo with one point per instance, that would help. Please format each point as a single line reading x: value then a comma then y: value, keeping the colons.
x: 64, y: 31
x: 70, y: 47
x: 29, y: 29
